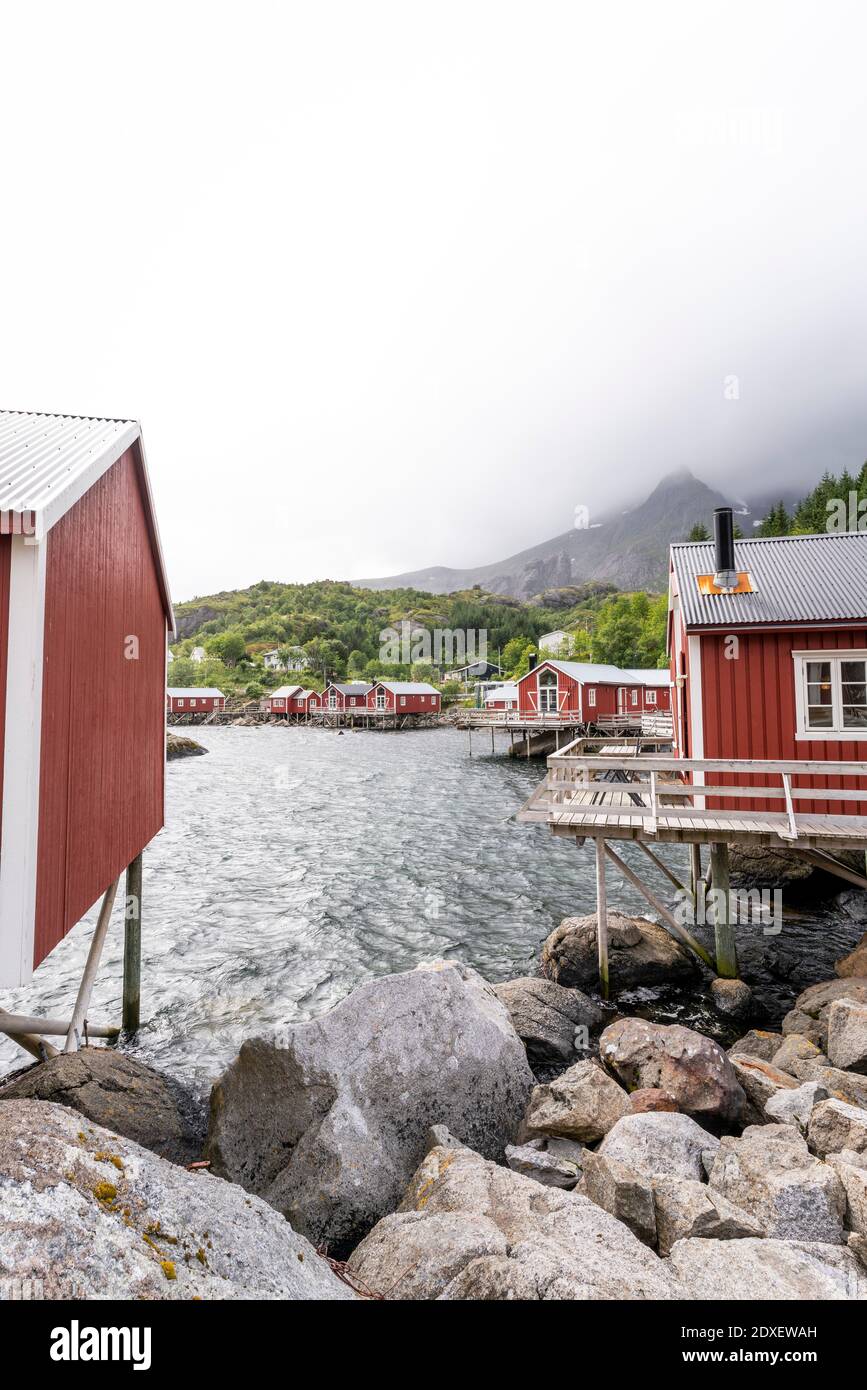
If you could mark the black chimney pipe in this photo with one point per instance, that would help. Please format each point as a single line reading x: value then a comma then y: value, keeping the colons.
x: 726, y: 576
x: 533, y: 659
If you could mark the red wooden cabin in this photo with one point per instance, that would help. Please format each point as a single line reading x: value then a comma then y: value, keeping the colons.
x: 346, y: 697
x: 193, y: 700
x: 580, y: 690
x: 774, y: 663
x: 279, y: 701
x: 404, y: 697
x: 304, y: 702
x: 503, y: 696
x: 654, y: 692
x: 84, y: 616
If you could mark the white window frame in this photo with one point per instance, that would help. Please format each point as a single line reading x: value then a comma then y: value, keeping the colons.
x: 837, y: 733
x: 634, y: 694
x: 650, y: 696
x: 591, y: 696
x: 180, y: 704
x: 403, y: 699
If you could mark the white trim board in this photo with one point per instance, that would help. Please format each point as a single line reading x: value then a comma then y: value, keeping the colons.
x: 22, y: 755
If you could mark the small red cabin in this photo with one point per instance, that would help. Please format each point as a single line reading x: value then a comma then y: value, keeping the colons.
x: 774, y: 665
x: 193, y: 700
x: 84, y: 617
x: 304, y: 702
x: 503, y: 696
x: 580, y: 690
x: 654, y: 690
x: 279, y: 701
x: 404, y: 697
x: 346, y: 697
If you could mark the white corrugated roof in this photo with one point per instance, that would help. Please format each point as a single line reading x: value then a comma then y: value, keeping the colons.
x: 283, y: 692
x: 650, y: 675
x: 796, y: 579
x: 48, y: 462
x: 589, y: 672
x: 408, y: 687
x: 195, y: 692
x: 506, y: 691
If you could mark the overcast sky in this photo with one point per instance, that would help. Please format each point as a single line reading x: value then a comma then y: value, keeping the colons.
x: 392, y: 285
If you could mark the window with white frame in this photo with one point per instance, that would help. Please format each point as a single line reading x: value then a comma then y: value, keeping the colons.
x: 635, y: 697
x: 403, y: 699
x: 650, y: 696
x: 180, y: 704
x: 591, y: 695
x: 831, y: 694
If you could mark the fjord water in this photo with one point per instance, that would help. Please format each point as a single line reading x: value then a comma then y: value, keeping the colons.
x: 297, y: 863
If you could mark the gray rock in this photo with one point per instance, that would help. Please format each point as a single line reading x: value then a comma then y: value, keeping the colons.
x: 858, y: 1246
x: 810, y: 1014
x: 639, y: 953
x: 853, y: 1176
x: 468, y: 1228
x: 441, y: 1137
x: 760, y: 1081
x: 756, y: 866
x: 794, y: 1049
x: 734, y: 998
x: 582, y: 1104
x: 692, y: 1068
x: 328, y: 1121
x: 841, y: 1085
x: 621, y: 1192
x: 546, y: 1018
x: 756, y: 1270
x: 87, y: 1214
x: 795, y: 1107
x: 770, y: 1174
x: 657, y: 1144
x: 120, y: 1093
x: 757, y: 1043
x: 685, y: 1208
x: 553, y: 1169
x: 847, y: 1035
x: 834, y: 1126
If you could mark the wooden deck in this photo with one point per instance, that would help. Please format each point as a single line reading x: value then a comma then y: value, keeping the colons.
x: 638, y: 796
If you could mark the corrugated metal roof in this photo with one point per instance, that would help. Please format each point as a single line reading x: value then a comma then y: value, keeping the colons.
x: 506, y: 691
x: 47, y: 462
x: 359, y: 689
x: 202, y: 692
x: 283, y: 691
x: 408, y: 687
x: 588, y: 671
x: 650, y: 676
x: 796, y: 579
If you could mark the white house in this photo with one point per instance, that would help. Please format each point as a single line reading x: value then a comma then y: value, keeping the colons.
x: 197, y: 654
x: 298, y: 660
x: 553, y: 642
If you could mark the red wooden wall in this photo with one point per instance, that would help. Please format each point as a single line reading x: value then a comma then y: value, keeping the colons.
x: 749, y: 708
x: 103, y: 715
x: 5, y: 561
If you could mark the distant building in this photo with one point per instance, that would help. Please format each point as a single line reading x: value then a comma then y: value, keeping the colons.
x: 504, y: 696
x: 298, y: 660
x: 170, y: 657
x: 404, y: 697
x: 197, y: 655
x: 476, y: 670
x: 346, y: 697
x: 554, y: 642
x: 193, y: 700
x: 279, y: 701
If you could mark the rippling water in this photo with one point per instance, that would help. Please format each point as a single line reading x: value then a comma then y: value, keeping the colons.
x: 297, y: 863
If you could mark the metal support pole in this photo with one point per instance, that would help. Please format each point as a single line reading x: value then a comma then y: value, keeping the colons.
x: 85, y: 989
x: 726, y: 951
x: 132, y: 948
x: 30, y: 1041
x: 601, y: 916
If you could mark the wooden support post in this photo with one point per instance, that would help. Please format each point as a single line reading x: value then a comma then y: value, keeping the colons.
x: 601, y: 916
x: 492, y: 738
x: 677, y: 931
x: 30, y: 1041
x: 131, y: 1014
x: 726, y: 951
x: 694, y: 869
x: 85, y: 989
x: 661, y: 866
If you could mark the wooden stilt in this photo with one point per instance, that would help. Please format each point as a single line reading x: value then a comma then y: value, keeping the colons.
x: 726, y: 950
x: 29, y: 1040
x: 677, y: 931
x: 602, y: 916
x: 663, y: 867
x: 694, y: 868
x: 132, y: 948
x: 85, y: 989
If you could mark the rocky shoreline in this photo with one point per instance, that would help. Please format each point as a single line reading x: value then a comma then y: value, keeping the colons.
x: 437, y: 1137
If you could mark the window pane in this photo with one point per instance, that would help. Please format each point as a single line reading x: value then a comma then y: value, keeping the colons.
x: 854, y: 717
x: 819, y: 694
x: 819, y: 716
x: 853, y: 670
x: 818, y: 670
x: 854, y: 694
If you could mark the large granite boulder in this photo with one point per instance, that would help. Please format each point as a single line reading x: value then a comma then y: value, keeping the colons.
x: 847, y: 1035
x: 692, y: 1068
x: 581, y: 1104
x: 756, y: 866
x: 660, y: 1145
x: 793, y: 1049
x: 771, y: 1175
x: 639, y: 953
x: 120, y: 1093
x: 685, y: 1209
x: 328, y: 1120
x: 468, y: 1228
x: 755, y: 1270
x: 810, y: 1013
x: 835, y: 1125
x: 757, y: 1043
x: 841, y: 1085
x: 626, y: 1195
x: 551, y: 1021
x: 87, y: 1214
x: 760, y: 1081
x: 795, y: 1107
x: 851, y: 1169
